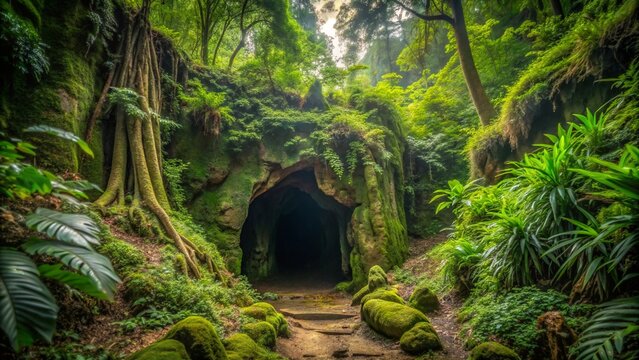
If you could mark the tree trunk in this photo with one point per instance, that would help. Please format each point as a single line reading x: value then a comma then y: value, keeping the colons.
x: 557, y: 9
x: 237, y: 49
x: 138, y: 139
x: 482, y: 103
x: 204, y: 51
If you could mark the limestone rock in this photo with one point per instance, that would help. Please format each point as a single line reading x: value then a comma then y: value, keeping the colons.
x: 199, y: 338
x: 162, y: 350
x: 376, y: 278
x: 389, y: 318
x: 266, y: 312
x: 492, y: 351
x: 384, y: 294
x: 423, y: 300
x: 261, y: 332
x: 420, y: 339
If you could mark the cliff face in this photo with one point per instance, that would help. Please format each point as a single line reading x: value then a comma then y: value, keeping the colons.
x: 565, y: 80
x: 277, y: 207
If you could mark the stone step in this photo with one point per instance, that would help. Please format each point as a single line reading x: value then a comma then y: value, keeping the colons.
x: 305, y: 315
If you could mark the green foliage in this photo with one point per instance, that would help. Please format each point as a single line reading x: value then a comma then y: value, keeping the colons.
x: 70, y: 241
x: 512, y: 317
x: 173, y: 170
x: 152, y: 318
x: 609, y: 331
x: 206, y: 107
x: 128, y: 100
x: 21, y: 47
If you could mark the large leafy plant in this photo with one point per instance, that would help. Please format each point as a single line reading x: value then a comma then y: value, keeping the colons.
x: 27, y: 308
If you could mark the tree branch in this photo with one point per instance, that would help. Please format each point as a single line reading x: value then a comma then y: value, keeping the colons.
x: 442, y: 16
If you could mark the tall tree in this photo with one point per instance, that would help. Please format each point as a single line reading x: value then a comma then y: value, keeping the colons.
x: 364, y: 13
x: 208, y: 18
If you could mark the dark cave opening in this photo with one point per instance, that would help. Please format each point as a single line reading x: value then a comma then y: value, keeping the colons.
x: 294, y: 232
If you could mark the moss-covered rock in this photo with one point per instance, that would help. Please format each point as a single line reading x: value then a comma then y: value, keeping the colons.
x: 376, y: 278
x: 162, y: 350
x: 420, y: 339
x: 492, y: 351
x: 384, y: 294
x: 266, y: 312
x: 357, y: 298
x: 199, y: 338
x: 389, y: 318
x: 424, y: 300
x: 261, y: 332
x: 242, y: 347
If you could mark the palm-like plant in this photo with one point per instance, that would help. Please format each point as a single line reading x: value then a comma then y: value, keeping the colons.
x: 609, y: 330
x: 27, y: 308
x: 455, y: 196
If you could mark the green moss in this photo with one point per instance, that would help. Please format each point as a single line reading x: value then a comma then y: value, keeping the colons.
x: 420, y: 339
x: 199, y: 338
x: 383, y: 294
x: 125, y: 257
x: 162, y: 350
x: 357, y: 298
x: 242, y: 347
x: 261, y: 332
x: 376, y: 278
x: 492, y: 351
x: 423, y: 299
x: 391, y: 319
x: 266, y: 312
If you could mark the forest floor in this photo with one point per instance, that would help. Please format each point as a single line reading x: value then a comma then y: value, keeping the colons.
x: 325, y: 326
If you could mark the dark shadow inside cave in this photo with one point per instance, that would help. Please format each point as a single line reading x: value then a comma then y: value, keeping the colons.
x: 296, y: 233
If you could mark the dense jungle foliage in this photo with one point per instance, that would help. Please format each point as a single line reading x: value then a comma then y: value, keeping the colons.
x: 154, y: 156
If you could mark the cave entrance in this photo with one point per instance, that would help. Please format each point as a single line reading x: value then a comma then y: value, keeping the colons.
x: 296, y: 233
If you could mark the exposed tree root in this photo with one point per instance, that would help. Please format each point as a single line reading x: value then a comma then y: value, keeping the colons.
x: 137, y: 154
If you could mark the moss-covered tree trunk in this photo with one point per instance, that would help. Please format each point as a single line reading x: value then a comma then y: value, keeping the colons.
x: 137, y: 138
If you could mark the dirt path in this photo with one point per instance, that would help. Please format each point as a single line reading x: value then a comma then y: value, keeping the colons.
x: 325, y: 326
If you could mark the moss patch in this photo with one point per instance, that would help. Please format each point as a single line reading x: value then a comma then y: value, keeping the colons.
x: 420, y: 339
x: 391, y: 319
x: 492, y: 351
x: 384, y: 294
x: 199, y: 338
x: 242, y: 347
x: 357, y: 298
x: 162, y: 350
x: 261, y: 332
x: 376, y: 278
x: 266, y: 312
x: 423, y: 299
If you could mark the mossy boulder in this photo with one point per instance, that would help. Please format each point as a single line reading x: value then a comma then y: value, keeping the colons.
x: 424, y: 300
x: 420, y: 339
x: 492, y: 351
x: 242, y: 347
x: 384, y: 294
x: 357, y: 298
x: 266, y: 312
x: 376, y: 278
x: 391, y: 319
x: 199, y: 338
x: 261, y: 332
x: 162, y: 350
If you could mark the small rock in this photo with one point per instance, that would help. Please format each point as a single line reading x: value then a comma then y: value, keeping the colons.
x: 340, y: 353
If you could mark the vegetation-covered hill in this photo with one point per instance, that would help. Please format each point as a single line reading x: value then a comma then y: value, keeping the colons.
x: 159, y: 160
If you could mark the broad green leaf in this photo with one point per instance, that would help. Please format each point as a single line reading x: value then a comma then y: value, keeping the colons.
x: 62, y: 134
x: 75, y: 229
x: 88, y: 262
x: 27, y: 308
x: 74, y: 280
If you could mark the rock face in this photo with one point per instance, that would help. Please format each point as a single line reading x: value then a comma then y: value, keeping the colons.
x: 364, y: 211
x: 492, y: 351
x: 199, y: 338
